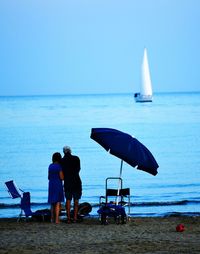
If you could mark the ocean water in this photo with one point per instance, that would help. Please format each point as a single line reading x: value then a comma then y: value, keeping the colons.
x: 32, y: 128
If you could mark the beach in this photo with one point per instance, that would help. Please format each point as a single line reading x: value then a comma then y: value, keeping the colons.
x: 139, y: 235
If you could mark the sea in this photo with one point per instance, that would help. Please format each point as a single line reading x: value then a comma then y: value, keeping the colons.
x: 32, y: 128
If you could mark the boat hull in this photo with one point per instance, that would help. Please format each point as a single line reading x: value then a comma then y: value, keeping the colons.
x: 142, y: 98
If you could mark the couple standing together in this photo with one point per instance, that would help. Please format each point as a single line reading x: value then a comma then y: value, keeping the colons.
x: 67, y: 169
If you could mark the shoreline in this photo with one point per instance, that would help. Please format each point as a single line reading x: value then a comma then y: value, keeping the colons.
x: 139, y: 235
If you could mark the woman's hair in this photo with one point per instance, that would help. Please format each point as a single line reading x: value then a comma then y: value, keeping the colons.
x: 56, y: 157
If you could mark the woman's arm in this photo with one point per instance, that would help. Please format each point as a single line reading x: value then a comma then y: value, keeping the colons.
x: 61, y: 175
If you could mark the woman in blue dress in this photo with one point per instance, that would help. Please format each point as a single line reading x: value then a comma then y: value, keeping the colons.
x: 55, y: 191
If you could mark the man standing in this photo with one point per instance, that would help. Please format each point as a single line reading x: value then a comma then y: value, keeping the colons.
x: 72, y: 182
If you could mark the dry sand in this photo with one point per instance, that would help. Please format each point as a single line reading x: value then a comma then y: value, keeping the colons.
x: 140, y: 235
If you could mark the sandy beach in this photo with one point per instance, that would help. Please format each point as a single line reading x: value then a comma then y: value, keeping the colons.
x: 139, y: 235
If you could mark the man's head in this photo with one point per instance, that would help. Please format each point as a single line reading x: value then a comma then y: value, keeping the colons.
x: 66, y: 149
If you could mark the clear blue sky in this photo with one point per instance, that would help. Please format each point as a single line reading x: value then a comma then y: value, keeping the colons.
x: 92, y: 46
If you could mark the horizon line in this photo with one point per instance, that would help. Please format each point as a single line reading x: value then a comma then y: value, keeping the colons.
x: 89, y: 94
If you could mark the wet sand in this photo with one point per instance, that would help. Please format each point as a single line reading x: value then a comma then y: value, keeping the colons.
x: 140, y: 235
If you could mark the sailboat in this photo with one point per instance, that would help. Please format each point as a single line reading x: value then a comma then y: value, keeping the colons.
x: 145, y: 94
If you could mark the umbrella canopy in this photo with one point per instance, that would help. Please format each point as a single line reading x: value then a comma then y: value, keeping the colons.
x: 125, y: 147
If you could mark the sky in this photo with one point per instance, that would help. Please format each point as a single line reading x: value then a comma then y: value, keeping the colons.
x: 96, y: 46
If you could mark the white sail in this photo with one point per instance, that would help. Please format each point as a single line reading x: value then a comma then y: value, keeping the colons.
x: 146, y: 87
x: 145, y: 94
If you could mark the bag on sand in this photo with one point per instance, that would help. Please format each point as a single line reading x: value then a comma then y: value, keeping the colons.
x: 42, y: 215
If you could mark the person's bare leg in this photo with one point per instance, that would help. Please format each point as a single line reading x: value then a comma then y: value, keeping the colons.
x: 57, y: 213
x: 68, y: 207
x: 75, y: 210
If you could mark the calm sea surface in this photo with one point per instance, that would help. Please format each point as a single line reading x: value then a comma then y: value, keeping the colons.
x: 32, y: 128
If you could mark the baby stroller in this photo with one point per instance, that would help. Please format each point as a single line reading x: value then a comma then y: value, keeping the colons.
x: 114, y: 202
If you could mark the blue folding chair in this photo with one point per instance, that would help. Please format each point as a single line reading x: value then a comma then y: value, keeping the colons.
x: 15, y: 192
x: 25, y: 203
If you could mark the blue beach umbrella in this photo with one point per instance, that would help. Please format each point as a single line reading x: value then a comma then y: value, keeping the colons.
x: 125, y: 147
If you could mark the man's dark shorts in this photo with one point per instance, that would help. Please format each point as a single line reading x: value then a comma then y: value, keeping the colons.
x: 75, y: 194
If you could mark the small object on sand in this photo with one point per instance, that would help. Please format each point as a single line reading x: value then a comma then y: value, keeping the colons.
x: 180, y: 228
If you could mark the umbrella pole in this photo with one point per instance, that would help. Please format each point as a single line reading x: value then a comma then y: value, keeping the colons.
x: 121, y: 169
x: 119, y: 183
